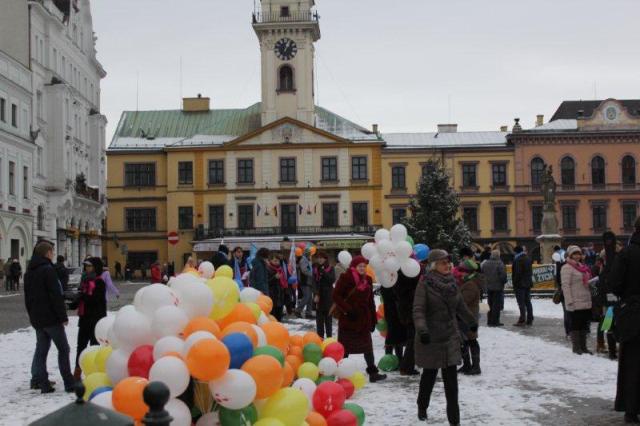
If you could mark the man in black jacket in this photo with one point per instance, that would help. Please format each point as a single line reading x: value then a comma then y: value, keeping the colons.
x: 48, y: 315
x: 522, y: 278
x: 62, y: 272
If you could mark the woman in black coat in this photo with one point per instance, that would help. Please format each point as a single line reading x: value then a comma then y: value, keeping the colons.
x: 277, y: 285
x: 323, y: 278
x: 405, y: 290
x: 396, y: 333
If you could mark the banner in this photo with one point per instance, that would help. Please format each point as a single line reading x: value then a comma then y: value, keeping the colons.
x: 544, y: 277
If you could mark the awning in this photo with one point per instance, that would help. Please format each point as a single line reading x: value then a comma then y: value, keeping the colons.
x: 282, y: 242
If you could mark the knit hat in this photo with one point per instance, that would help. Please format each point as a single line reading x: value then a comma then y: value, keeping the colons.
x: 358, y: 260
x: 437, y: 255
x: 572, y: 250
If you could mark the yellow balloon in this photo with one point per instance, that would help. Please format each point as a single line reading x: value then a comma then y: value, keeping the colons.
x: 358, y: 380
x: 101, y: 357
x: 224, y: 271
x: 225, y: 296
x: 93, y: 382
x: 255, y: 309
x: 269, y: 422
x: 289, y: 405
x: 327, y: 342
x: 88, y: 363
x: 308, y: 370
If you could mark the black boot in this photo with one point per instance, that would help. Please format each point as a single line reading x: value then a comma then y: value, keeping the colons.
x: 374, y: 375
x: 631, y: 418
x: 466, y: 361
x: 575, y: 342
x: 612, y: 346
x: 583, y: 342
x: 422, y: 414
x: 475, y: 361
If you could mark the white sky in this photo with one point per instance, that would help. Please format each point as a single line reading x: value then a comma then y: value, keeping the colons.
x: 405, y: 64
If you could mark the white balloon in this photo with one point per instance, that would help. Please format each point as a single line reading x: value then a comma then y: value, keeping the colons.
x: 167, y: 344
x: 263, y: 319
x: 403, y: 250
x: 169, y: 321
x: 117, y: 366
x: 206, y: 269
x: 376, y: 262
x: 328, y: 366
x: 262, y: 337
x: 391, y: 264
x: 156, y: 296
x: 556, y: 257
x: 307, y: 386
x: 137, y: 299
x: 193, y: 338
x: 132, y: 329
x: 103, y: 400
x: 385, y: 247
x: 344, y: 257
x: 209, y: 419
x: 369, y: 250
x: 410, y: 268
x: 196, y: 299
x: 179, y: 411
x: 387, y: 279
x: 249, y: 295
x: 102, y: 329
x: 234, y: 390
x: 381, y: 235
x: 171, y: 371
x: 346, y: 368
x: 398, y: 233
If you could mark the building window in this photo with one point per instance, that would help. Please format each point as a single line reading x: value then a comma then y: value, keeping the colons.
x: 599, y: 212
x: 500, y: 219
x: 330, y: 169
x: 499, y: 175
x: 628, y: 170
x: 39, y: 108
x: 140, y: 219
x: 14, y: 115
x: 185, y: 217
x: 25, y: 183
x: 216, y: 219
x: 330, y: 215
x: 140, y: 174
x: 3, y: 110
x: 360, y: 214
x: 629, y: 215
x: 359, y: 168
x: 12, y: 178
x: 185, y: 173
x: 40, y: 218
x: 536, y: 218
x: 537, y: 171
x: 285, y: 79
x: 284, y: 11
x: 288, y: 170
x: 398, y: 215
x: 216, y: 172
x: 398, y: 177
x: 427, y: 168
x: 470, y: 218
x: 568, y: 172
x: 569, y: 218
x: 245, y: 170
x: 469, y: 176
x: 245, y: 216
x: 597, y: 171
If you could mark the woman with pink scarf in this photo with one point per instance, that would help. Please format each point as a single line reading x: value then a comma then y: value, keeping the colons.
x: 577, y: 296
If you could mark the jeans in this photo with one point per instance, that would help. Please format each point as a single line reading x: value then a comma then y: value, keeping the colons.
x: 305, y: 302
x: 44, y: 336
x: 494, y: 298
x: 450, y: 379
x: 523, y: 296
x: 324, y: 324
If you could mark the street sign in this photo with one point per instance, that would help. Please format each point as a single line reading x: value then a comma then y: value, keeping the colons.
x: 173, y: 238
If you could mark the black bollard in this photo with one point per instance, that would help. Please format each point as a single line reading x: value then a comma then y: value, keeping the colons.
x: 79, y: 391
x: 156, y: 395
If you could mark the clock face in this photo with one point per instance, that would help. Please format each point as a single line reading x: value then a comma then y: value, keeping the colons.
x: 611, y: 113
x: 286, y: 49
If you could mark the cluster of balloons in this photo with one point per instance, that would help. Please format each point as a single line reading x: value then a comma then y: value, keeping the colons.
x: 305, y: 248
x: 381, y: 324
x: 204, y: 333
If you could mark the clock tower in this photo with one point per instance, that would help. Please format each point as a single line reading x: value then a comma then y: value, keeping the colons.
x: 286, y: 30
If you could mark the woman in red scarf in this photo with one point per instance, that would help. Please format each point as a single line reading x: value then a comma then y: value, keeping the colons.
x: 277, y: 285
x: 353, y: 298
x: 575, y: 277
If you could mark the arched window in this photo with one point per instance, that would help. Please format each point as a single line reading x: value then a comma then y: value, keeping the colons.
x: 285, y: 79
x: 568, y: 171
x: 628, y: 170
x: 597, y: 171
x: 40, y: 218
x: 537, y: 171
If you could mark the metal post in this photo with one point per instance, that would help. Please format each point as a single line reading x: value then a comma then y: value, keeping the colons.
x: 156, y: 396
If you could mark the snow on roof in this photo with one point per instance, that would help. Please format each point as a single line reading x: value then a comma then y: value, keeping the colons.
x: 445, y: 140
x: 204, y: 140
x: 560, y: 124
x: 125, y: 143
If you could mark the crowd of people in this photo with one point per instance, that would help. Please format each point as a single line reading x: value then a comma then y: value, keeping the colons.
x: 10, y: 272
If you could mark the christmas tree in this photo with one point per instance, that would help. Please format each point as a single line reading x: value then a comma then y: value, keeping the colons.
x: 435, y: 218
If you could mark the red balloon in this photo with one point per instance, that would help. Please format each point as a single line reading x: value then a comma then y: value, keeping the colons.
x: 335, y: 350
x: 348, y: 387
x: 140, y: 361
x: 342, y: 418
x: 328, y: 398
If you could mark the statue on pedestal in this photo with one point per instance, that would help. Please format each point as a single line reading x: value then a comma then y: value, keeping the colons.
x: 550, y: 237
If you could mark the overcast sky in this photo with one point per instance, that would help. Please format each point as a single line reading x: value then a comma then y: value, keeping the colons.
x: 406, y: 64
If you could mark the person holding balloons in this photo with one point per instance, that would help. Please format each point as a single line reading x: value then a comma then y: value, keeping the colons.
x: 356, y: 311
x: 323, y: 276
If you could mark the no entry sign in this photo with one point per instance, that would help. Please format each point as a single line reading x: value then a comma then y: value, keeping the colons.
x: 173, y: 238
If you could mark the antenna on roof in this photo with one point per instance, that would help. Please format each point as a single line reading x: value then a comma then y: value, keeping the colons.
x: 137, y: 90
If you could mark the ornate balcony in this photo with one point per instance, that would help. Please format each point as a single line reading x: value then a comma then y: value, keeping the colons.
x: 276, y: 17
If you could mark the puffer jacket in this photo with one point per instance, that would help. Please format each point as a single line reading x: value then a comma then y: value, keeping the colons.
x: 577, y: 295
x: 495, y: 274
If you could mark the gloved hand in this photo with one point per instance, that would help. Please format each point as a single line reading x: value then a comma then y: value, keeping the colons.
x: 425, y: 337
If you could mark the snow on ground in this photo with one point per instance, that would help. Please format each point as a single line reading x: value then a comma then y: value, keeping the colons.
x: 523, y: 378
x: 543, y: 307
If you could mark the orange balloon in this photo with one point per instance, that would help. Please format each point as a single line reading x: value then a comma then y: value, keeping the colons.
x: 241, y: 312
x: 313, y: 250
x: 295, y: 351
x: 312, y: 337
x: 299, y: 251
x: 371, y: 273
x: 296, y: 340
x: 265, y: 303
x: 288, y: 375
x: 201, y: 324
x: 381, y: 310
x: 267, y: 373
x: 244, y: 328
x: 277, y: 335
x: 127, y: 397
x: 272, y: 318
x: 208, y: 359
x: 316, y: 419
x: 294, y: 361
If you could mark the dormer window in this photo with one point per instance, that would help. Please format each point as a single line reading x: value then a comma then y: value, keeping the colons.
x: 285, y: 79
x: 284, y: 12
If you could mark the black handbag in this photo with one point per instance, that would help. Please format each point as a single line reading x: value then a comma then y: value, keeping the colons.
x: 627, y: 320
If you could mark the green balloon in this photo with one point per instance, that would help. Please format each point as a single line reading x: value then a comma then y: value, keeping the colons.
x: 410, y: 241
x: 389, y: 362
x: 357, y: 410
x: 381, y: 325
x: 245, y: 417
x: 270, y: 351
x: 323, y: 379
x: 312, y: 353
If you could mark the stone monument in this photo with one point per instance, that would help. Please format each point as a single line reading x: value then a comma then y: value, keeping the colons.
x: 549, y: 237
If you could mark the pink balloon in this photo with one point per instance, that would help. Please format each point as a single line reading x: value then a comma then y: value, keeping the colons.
x: 140, y: 361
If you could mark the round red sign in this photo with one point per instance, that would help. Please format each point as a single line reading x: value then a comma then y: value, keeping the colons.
x: 173, y: 238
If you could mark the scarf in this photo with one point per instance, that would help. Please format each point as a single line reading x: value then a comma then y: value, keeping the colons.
x: 278, y: 270
x: 360, y: 280
x: 318, y: 269
x: 443, y: 284
x: 583, y: 269
x: 87, y: 286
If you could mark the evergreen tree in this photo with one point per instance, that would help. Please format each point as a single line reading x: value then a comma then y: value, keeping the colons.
x: 435, y: 219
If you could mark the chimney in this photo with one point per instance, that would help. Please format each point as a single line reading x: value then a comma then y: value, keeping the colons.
x: 539, y: 120
x: 374, y: 128
x: 517, y: 127
x: 447, y: 128
x: 504, y: 129
x: 198, y: 104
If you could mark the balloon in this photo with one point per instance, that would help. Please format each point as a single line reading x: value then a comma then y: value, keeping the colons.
x: 240, y: 348
x: 385, y: 247
x: 346, y: 368
x: 103, y: 400
x: 342, y: 418
x: 398, y: 233
x: 292, y: 280
x: 369, y: 250
x: 391, y: 264
x: 311, y: 337
x: 298, y: 251
x: 403, y: 250
x: 206, y: 269
x: 209, y: 419
x: 295, y: 361
x: 376, y: 262
x: 313, y: 250
x: 156, y: 296
x: 270, y: 421
x: 262, y: 338
x: 196, y: 299
x: 267, y: 373
x: 410, y: 268
x: 132, y: 329
x: 381, y: 235
x: 263, y: 319
x: 201, y: 324
x: 179, y: 411
x: 328, y: 366
x: 328, y: 397
x: 127, y: 397
x: 296, y: 340
x: 225, y: 296
x: 87, y: 359
x: 421, y: 252
x: 265, y: 303
x: 289, y: 375
x: 309, y: 371
x: 246, y: 416
x: 307, y: 386
x: 344, y: 257
x: 235, y: 390
x: 315, y: 419
x: 288, y: 405
x: 94, y: 381
x: 326, y: 342
x: 295, y: 350
x: 348, y: 387
x: 249, y: 294
x: 312, y: 352
x: 173, y: 372
x: 335, y: 350
x: 388, y: 278
x: 244, y: 328
x: 357, y: 411
x: 100, y: 390
x: 323, y: 379
x: 224, y: 271
x: 117, y: 366
x: 208, y: 360
x: 389, y: 362
x: 410, y: 241
x: 382, y: 325
x: 358, y: 379
x: 102, y: 329
x: 101, y: 357
x: 556, y: 257
x: 371, y: 273
x: 168, y: 321
x: 240, y: 312
x: 270, y: 351
x: 137, y: 300
x: 255, y: 309
x: 140, y: 361
x: 193, y: 338
x: 277, y: 335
